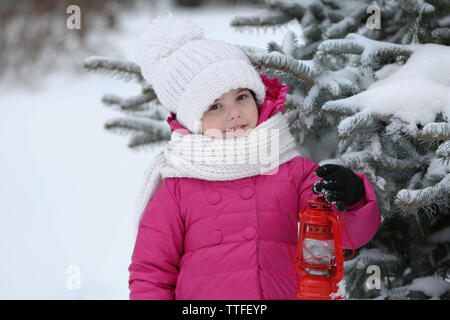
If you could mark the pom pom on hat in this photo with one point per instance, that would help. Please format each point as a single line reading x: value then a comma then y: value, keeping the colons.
x: 161, y: 37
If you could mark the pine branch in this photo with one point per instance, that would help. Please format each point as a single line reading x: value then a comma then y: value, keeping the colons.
x: 342, y: 82
x: 366, y: 48
x: 291, y: 116
x: 341, y: 108
x: 265, y: 20
x: 291, y: 8
x: 435, y: 131
x: 362, y: 126
x: 336, y: 30
x: 273, y: 46
x: 361, y: 122
x: 300, y: 69
x: 441, y: 33
x: 435, y: 173
x: 398, y: 156
x: 363, y: 158
x: 289, y: 44
x: 430, y: 199
x: 121, y: 69
x: 443, y: 152
x: 395, y: 165
x: 418, y: 6
x: 133, y: 125
x: 310, y: 100
x: 341, y: 46
x: 415, y: 181
x: 293, y: 101
x: 136, y: 103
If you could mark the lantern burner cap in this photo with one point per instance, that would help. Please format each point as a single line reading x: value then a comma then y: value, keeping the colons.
x: 319, y: 204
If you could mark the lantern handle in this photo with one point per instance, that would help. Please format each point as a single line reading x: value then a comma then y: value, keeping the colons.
x: 340, y: 220
x: 336, y: 220
x: 351, y: 242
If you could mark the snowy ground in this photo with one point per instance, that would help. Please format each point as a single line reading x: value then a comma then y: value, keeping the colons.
x: 67, y: 186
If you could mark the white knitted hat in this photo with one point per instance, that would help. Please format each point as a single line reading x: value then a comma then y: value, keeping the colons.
x: 188, y: 72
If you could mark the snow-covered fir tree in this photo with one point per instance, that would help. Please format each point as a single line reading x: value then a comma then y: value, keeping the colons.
x: 387, y: 96
x: 400, y: 21
x: 374, y: 100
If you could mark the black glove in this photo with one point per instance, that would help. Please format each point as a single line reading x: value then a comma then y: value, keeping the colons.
x: 340, y: 185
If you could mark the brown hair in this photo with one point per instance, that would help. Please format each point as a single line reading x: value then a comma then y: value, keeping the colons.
x: 254, y: 97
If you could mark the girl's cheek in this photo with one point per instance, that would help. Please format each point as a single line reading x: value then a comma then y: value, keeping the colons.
x: 212, y: 127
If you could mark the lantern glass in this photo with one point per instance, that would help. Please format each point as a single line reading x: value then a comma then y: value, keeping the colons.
x: 318, y: 255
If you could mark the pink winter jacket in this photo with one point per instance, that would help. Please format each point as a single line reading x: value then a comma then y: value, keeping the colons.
x: 234, y: 240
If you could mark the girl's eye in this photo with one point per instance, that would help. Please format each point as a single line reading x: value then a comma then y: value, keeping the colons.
x: 217, y: 106
x: 212, y: 107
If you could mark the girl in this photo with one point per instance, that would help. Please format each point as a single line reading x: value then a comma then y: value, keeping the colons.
x: 211, y: 228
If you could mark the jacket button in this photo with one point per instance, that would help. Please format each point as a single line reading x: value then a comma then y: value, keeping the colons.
x: 246, y: 192
x: 216, y: 237
x: 214, y: 197
x: 249, y: 233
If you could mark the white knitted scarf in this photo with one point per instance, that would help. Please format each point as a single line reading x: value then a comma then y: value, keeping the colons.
x: 261, y: 151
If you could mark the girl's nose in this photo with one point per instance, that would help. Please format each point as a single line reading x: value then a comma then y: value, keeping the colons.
x: 234, y: 112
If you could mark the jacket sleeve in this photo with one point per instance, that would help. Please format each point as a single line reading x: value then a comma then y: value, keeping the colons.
x: 158, y: 247
x: 361, y: 219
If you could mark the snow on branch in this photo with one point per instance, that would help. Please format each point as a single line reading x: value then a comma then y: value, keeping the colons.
x: 121, y: 69
x: 431, y: 287
x: 289, y: 44
x: 337, y: 29
x: 133, y: 125
x: 368, y: 49
x: 372, y: 256
x: 417, y: 92
x: 136, y: 103
x: 300, y: 69
x: 436, y: 131
x: 340, y: 108
x: 441, y: 33
x: 443, y: 152
x: 361, y: 122
x: 429, y: 199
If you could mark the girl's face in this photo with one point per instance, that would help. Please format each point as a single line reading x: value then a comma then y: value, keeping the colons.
x: 232, y: 115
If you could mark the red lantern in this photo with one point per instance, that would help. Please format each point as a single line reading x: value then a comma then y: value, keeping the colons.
x: 319, y: 259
